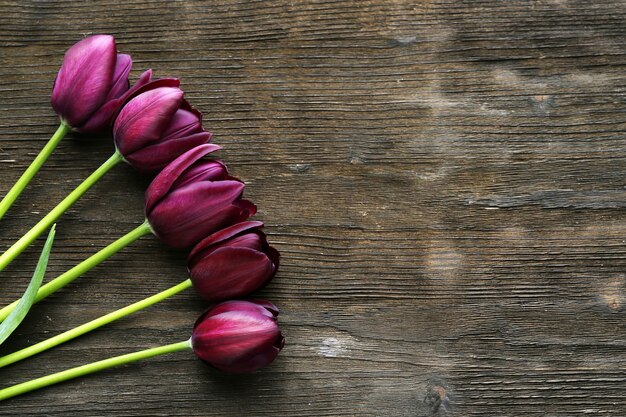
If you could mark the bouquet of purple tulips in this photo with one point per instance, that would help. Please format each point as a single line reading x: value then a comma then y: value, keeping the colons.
x: 192, y: 203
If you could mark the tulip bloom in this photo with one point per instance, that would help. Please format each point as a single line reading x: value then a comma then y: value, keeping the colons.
x: 185, y: 204
x: 157, y: 126
x: 88, y: 91
x: 232, y: 262
x: 235, y: 337
x: 92, y: 84
x: 238, y: 336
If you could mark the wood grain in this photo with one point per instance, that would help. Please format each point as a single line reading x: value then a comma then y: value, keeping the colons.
x: 444, y: 179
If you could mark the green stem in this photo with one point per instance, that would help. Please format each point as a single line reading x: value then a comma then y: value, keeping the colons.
x: 91, y: 368
x: 30, y: 172
x: 92, y: 325
x: 95, y: 259
x: 45, y: 223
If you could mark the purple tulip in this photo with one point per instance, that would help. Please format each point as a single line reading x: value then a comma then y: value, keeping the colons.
x: 233, y: 262
x: 92, y: 84
x: 238, y: 336
x: 156, y: 126
x: 190, y: 199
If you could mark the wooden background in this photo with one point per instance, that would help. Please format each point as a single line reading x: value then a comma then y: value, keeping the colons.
x: 444, y: 179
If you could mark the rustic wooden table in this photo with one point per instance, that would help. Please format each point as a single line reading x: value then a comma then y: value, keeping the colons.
x: 444, y: 179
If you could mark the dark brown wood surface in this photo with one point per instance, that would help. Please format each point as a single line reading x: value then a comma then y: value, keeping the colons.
x: 444, y: 179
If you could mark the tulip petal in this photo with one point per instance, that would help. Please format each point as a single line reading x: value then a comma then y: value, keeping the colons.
x: 146, y: 83
x: 162, y: 183
x: 239, y: 320
x: 186, y: 106
x: 85, y: 78
x: 144, y: 79
x: 231, y: 272
x: 223, y: 235
x: 143, y: 118
x: 273, y: 310
x: 123, y: 65
x: 101, y: 119
x: 157, y: 156
x: 214, y: 170
x: 274, y: 256
x: 237, y: 212
x: 254, y: 362
x: 184, y: 123
x: 251, y: 305
x: 184, y: 216
x: 228, y: 237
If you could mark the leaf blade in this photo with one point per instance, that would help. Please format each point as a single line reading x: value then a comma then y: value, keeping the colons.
x: 23, y: 307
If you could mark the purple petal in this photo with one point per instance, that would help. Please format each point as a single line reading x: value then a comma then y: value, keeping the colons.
x: 190, y: 108
x: 247, y: 240
x: 101, y: 119
x: 274, y: 311
x: 146, y: 83
x: 142, y: 120
x: 85, y: 78
x: 254, y: 306
x: 252, y: 239
x: 184, y: 216
x: 274, y: 256
x: 214, y: 170
x: 231, y: 272
x: 156, y: 157
x: 255, y: 362
x: 162, y: 183
x: 145, y: 79
x: 183, y: 124
x: 223, y: 235
x: 123, y: 65
x: 237, y: 212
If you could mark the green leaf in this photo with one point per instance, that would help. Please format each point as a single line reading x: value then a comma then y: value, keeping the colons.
x: 15, y: 318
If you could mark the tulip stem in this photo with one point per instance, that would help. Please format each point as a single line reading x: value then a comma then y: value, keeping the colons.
x: 92, y: 325
x: 45, y: 223
x: 95, y: 259
x: 91, y: 368
x: 30, y: 172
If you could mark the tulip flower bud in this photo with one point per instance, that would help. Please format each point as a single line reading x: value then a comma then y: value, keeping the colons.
x: 156, y: 126
x: 238, y: 336
x: 233, y: 262
x: 190, y: 199
x: 92, y: 84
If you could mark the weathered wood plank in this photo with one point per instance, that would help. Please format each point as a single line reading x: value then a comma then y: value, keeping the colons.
x: 444, y: 179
